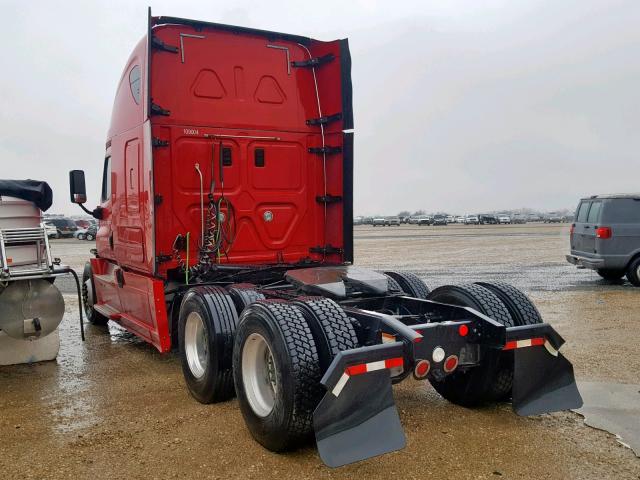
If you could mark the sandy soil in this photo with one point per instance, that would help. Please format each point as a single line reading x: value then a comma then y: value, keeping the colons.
x: 114, y: 408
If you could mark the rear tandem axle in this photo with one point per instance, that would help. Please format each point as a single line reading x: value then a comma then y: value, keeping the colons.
x: 320, y: 356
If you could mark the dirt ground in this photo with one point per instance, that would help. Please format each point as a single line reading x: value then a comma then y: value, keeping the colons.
x: 112, y: 407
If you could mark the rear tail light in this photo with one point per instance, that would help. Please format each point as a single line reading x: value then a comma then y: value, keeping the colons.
x: 572, y: 228
x: 450, y: 363
x: 422, y: 369
x: 603, y: 232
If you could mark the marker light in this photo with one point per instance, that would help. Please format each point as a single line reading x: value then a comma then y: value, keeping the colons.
x: 463, y: 330
x: 438, y: 354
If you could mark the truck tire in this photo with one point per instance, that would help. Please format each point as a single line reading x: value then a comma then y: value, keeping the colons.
x: 331, y: 328
x: 277, y: 374
x: 392, y: 285
x: 491, y: 380
x: 633, y: 272
x: 206, y: 327
x: 243, y: 295
x: 90, y: 313
x: 611, y: 275
x: 410, y: 284
x: 521, y: 308
x: 523, y: 312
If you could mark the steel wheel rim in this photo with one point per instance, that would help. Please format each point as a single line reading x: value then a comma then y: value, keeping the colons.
x: 195, y: 345
x: 259, y: 374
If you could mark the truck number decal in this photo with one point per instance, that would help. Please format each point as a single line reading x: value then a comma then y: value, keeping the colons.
x: 190, y: 131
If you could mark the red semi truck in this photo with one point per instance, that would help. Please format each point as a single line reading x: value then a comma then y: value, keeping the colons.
x: 225, y: 232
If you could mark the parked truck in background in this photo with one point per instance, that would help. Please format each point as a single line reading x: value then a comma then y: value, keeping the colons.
x: 225, y: 231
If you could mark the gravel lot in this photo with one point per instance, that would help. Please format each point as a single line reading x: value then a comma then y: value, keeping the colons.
x: 112, y: 407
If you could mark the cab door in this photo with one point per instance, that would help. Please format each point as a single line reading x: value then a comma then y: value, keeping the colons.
x: 130, y: 237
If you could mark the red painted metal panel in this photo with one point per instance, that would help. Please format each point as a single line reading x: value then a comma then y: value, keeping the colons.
x: 139, y: 305
x: 277, y: 215
x: 247, y: 89
x: 105, y: 283
x: 228, y: 80
x: 143, y: 309
x: 228, y: 87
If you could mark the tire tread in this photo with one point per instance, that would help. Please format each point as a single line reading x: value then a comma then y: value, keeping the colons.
x: 304, y: 363
x: 521, y: 308
x: 338, y: 330
x: 409, y: 283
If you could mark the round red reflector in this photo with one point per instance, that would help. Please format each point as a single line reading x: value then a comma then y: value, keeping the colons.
x: 422, y: 369
x: 450, y: 363
x: 463, y: 330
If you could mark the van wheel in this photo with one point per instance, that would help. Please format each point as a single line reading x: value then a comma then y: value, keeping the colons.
x: 206, y: 328
x: 611, y: 275
x: 633, y: 272
x: 491, y: 380
x: 90, y: 237
x: 88, y: 298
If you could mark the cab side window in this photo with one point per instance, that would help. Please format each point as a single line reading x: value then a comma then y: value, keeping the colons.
x: 106, y: 180
x: 134, y: 83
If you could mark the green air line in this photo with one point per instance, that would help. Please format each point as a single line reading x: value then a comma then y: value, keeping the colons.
x: 186, y: 270
x: 218, y: 232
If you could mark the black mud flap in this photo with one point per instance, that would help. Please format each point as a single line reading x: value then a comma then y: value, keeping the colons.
x: 357, y: 418
x: 543, y: 382
x: 360, y: 423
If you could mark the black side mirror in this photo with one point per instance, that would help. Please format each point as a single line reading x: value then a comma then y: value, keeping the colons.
x: 77, y: 187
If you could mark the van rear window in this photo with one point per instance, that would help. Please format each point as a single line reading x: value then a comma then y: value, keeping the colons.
x: 583, y: 210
